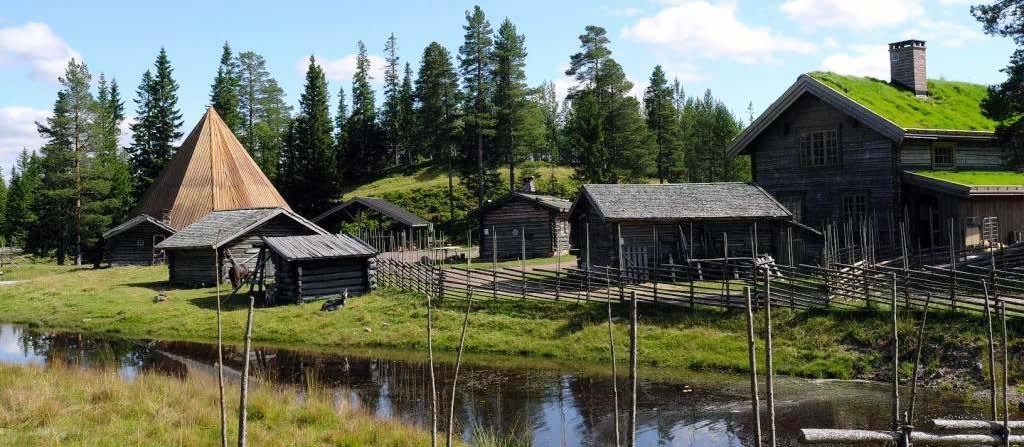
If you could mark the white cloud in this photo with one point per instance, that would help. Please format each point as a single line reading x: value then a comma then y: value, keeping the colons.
x: 125, y: 139
x: 942, y: 32
x: 860, y: 60
x: 712, y: 31
x: 831, y: 43
x: 859, y: 15
x: 17, y: 132
x: 343, y: 68
x: 35, y: 44
x: 627, y: 12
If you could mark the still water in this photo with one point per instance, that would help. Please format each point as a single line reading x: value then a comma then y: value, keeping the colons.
x: 545, y: 406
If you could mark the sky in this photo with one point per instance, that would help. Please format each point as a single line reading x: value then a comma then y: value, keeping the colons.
x: 745, y: 52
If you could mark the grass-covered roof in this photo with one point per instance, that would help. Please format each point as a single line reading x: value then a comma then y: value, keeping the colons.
x: 977, y: 178
x: 950, y: 105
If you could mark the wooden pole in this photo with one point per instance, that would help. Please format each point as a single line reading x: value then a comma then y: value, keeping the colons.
x: 243, y: 400
x: 752, y: 357
x: 611, y: 348
x: 917, y: 359
x: 494, y: 264
x: 895, y: 361
x: 522, y: 236
x: 770, y: 368
x: 618, y: 243
x: 458, y: 363
x: 991, y: 355
x: 1006, y: 373
x: 633, y: 369
x: 220, y: 352
x: 433, y: 380
x: 587, y: 230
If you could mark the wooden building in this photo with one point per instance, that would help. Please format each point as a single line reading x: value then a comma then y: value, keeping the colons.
x: 228, y: 238
x: 537, y: 222
x: 134, y: 242
x: 211, y: 171
x: 675, y: 223
x: 359, y: 209
x: 319, y: 266
x: 840, y: 149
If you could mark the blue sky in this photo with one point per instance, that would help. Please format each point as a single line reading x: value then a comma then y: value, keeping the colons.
x: 744, y: 51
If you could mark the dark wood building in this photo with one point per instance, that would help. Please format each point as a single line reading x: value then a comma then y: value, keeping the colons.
x: 361, y: 209
x: 675, y: 223
x: 838, y: 149
x: 227, y: 238
x: 319, y: 266
x: 538, y: 221
x: 134, y: 242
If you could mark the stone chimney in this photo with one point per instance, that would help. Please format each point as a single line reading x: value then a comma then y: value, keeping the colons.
x: 528, y: 185
x: 907, y: 65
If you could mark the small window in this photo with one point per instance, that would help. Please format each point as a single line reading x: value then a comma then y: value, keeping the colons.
x: 795, y: 204
x: 943, y: 156
x: 140, y: 242
x: 855, y: 207
x: 819, y: 148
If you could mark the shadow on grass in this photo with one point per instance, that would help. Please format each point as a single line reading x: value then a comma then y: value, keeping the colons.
x: 156, y: 286
x: 229, y: 303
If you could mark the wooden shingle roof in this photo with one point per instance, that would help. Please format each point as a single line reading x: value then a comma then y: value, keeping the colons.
x: 696, y: 201
x: 392, y: 211
x: 555, y: 203
x: 220, y: 227
x: 329, y: 246
x: 211, y: 171
x: 136, y: 221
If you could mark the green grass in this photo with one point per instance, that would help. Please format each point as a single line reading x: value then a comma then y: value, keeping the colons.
x: 950, y: 105
x: 673, y: 339
x: 70, y: 407
x: 568, y: 261
x: 977, y: 178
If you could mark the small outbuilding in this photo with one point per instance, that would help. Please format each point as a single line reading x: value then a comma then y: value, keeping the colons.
x: 358, y: 209
x: 538, y: 222
x: 134, y: 241
x: 674, y: 223
x: 228, y: 238
x: 319, y: 266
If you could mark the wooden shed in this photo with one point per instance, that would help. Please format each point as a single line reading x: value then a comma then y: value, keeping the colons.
x: 228, y: 237
x: 134, y: 241
x: 538, y: 222
x: 673, y: 223
x: 359, y: 208
x: 319, y: 266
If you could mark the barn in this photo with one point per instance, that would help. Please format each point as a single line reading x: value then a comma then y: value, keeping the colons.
x: 319, y: 266
x: 211, y: 171
x: 228, y: 238
x: 537, y: 223
x: 134, y: 241
x: 675, y: 223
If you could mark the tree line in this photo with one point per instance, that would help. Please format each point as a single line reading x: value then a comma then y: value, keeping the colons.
x: 470, y: 112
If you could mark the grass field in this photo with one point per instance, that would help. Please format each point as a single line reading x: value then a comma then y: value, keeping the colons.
x: 673, y: 339
x: 950, y: 105
x: 70, y: 407
x: 977, y: 178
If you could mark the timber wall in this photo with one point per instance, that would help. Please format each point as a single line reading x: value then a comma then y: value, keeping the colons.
x: 301, y: 281
x: 135, y: 246
x: 505, y: 223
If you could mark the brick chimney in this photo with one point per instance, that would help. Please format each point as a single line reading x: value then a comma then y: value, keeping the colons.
x: 528, y: 185
x: 907, y: 64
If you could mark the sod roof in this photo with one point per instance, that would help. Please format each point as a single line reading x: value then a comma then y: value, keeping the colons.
x: 950, y: 105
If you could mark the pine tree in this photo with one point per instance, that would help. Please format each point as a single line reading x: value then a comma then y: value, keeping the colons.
x: 510, y: 92
x: 157, y: 125
x: 364, y: 142
x: 265, y: 116
x: 308, y: 165
x: 663, y: 122
x: 1005, y: 102
x: 547, y: 100
x: 407, y: 124
x: 436, y: 97
x: 224, y: 93
x: 476, y: 64
x: 585, y: 65
x: 391, y: 113
x: 20, y: 215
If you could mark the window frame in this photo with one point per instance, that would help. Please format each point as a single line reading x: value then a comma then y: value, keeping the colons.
x: 938, y: 146
x: 811, y: 140
x: 787, y: 199
x: 865, y: 205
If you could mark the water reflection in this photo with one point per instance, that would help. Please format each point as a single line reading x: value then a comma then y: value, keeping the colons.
x: 551, y: 408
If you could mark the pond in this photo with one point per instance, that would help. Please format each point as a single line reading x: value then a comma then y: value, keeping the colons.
x: 547, y: 407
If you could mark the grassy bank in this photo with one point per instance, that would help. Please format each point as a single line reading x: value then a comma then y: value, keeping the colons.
x: 58, y: 406
x: 839, y: 344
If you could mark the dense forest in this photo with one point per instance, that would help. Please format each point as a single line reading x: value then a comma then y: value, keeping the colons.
x: 468, y: 111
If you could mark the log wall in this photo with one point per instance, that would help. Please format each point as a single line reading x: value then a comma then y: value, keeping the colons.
x: 547, y: 232
x: 135, y: 246
x: 917, y: 155
x: 301, y: 281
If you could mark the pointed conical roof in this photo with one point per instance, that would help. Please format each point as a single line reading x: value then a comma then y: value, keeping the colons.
x: 211, y: 171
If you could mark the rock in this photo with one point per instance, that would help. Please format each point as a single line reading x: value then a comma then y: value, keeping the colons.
x: 367, y: 329
x: 160, y: 297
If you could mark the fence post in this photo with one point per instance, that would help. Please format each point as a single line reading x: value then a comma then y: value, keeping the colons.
x: 654, y: 275
x: 587, y: 230
x: 752, y: 357
x: 618, y: 242
x: 494, y: 264
x: 522, y: 236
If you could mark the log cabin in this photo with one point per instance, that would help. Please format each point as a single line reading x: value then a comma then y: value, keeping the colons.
x: 842, y: 149
x: 134, y: 241
x: 210, y: 171
x: 526, y: 221
x: 319, y: 266
x: 359, y: 209
x: 675, y: 223
x: 224, y: 238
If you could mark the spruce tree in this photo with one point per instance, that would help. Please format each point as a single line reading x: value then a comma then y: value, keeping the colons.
x: 708, y: 126
x: 110, y: 185
x: 308, y: 164
x: 476, y: 64
x: 364, y: 144
x: 224, y: 93
x: 391, y: 112
x: 20, y: 215
x: 3, y: 209
x: 547, y: 99
x: 265, y: 116
x: 157, y: 126
x: 663, y: 122
x: 510, y: 93
x: 407, y: 124
x: 340, y: 130
x: 437, y: 96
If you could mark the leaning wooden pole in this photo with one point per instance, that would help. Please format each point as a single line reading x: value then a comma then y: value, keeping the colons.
x: 611, y: 348
x: 458, y: 364
x: 769, y: 366
x: 220, y: 354
x: 752, y: 357
x: 895, y: 360
x: 243, y: 400
x: 917, y: 359
x: 993, y: 409
x: 1006, y: 382
x: 433, y: 379
x: 632, y: 369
